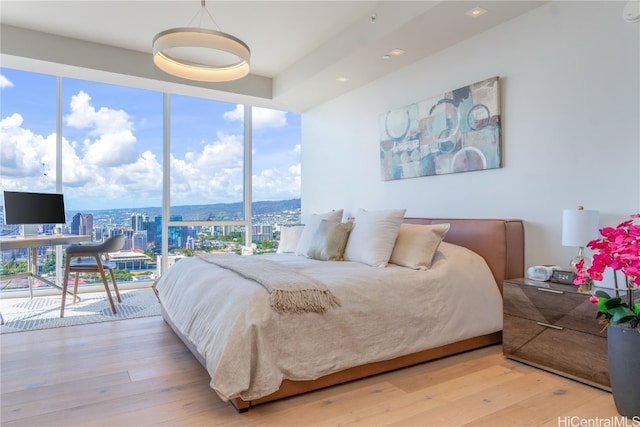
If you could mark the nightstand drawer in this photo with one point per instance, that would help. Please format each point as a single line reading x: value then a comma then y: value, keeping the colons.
x: 552, y: 305
x: 573, y: 353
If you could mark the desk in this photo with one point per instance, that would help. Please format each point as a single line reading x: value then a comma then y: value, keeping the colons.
x: 31, y: 243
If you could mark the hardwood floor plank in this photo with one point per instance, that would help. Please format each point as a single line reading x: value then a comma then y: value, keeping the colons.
x: 316, y: 412
x: 22, y: 341
x: 96, y: 394
x: 180, y: 361
x: 51, y: 392
x: 172, y: 412
x: 483, y: 403
x: 138, y: 373
x: 601, y: 408
x: 542, y: 407
x: 429, y: 397
x: 443, y: 370
x: 66, y: 367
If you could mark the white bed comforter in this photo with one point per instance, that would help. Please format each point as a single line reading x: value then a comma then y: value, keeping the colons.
x: 385, y: 312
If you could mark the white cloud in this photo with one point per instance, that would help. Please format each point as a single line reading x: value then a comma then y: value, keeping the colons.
x: 112, y: 149
x: 212, y: 175
x: 25, y: 157
x: 235, y: 115
x: 262, y: 118
x: 295, y: 170
x: 103, y: 121
x: 5, y: 82
x: 102, y: 168
x: 226, y: 152
x: 276, y: 184
x: 144, y: 174
x: 76, y: 172
x: 115, y: 143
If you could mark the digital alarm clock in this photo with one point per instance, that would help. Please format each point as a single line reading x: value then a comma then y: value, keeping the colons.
x: 541, y: 272
x: 564, y: 277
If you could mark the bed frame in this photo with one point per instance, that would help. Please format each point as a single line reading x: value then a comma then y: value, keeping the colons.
x: 499, y: 241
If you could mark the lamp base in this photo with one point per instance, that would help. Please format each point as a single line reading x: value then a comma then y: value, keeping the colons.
x: 576, y: 259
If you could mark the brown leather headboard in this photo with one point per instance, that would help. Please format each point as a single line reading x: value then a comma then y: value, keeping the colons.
x: 499, y: 241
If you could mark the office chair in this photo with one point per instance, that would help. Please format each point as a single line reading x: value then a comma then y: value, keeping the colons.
x: 87, y: 259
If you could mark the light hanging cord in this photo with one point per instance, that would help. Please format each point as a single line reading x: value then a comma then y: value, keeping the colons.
x: 201, y: 54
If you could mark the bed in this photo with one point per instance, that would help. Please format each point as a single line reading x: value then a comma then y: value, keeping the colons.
x: 255, y: 354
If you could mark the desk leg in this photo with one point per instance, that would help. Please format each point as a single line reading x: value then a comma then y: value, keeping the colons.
x: 50, y: 283
x: 32, y: 268
x: 31, y: 277
x: 32, y: 273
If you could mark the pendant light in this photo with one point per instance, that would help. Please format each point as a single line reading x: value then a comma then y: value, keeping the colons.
x: 201, y: 54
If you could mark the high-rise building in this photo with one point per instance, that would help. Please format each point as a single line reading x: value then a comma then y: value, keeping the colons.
x: 158, y: 236
x: 139, y: 240
x: 150, y: 228
x: 177, y: 235
x: 262, y: 233
x: 82, y: 224
x: 137, y: 221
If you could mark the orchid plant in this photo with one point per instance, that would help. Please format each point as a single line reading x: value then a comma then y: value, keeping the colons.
x: 619, y: 249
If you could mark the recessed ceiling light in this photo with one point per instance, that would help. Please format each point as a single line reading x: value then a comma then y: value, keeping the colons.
x: 396, y: 52
x: 475, y: 12
x: 342, y: 79
x: 393, y: 52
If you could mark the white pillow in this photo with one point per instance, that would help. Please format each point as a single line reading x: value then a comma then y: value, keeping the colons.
x: 329, y: 241
x: 311, y: 226
x: 417, y: 244
x: 373, y: 236
x: 289, y: 238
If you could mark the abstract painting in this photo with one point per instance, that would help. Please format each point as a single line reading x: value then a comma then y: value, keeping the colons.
x: 458, y: 131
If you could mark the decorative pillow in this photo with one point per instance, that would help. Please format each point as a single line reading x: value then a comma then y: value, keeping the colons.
x: 373, y: 236
x: 329, y: 241
x: 289, y: 237
x: 417, y: 244
x: 310, y: 229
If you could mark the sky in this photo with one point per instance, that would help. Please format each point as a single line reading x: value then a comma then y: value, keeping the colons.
x: 112, y: 145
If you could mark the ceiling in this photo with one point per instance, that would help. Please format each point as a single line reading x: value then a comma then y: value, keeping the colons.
x: 298, y: 48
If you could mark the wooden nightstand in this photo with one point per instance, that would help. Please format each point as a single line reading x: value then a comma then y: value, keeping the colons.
x: 554, y: 327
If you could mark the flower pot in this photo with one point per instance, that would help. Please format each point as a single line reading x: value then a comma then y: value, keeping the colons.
x: 624, y: 369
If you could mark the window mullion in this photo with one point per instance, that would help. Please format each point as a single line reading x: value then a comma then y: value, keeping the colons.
x: 166, y: 182
x: 248, y: 193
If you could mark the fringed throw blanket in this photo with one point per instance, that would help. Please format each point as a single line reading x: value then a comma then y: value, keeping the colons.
x: 289, y: 290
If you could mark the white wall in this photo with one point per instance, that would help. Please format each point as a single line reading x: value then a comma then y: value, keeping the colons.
x: 570, y: 81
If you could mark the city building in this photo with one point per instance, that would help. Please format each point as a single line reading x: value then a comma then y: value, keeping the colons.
x: 82, y: 224
x: 131, y: 260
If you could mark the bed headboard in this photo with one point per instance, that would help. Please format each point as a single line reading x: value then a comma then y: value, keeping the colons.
x: 499, y: 241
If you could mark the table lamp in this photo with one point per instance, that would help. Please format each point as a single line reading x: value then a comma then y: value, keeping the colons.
x: 579, y: 226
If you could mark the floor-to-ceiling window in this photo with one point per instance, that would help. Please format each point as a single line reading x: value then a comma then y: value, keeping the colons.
x: 112, y: 152
x: 27, y: 156
x: 206, y: 169
x: 275, y: 173
x: 112, y: 169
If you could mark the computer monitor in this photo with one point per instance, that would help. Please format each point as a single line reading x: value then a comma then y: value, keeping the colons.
x: 33, y: 208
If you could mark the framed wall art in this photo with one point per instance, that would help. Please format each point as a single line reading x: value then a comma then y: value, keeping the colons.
x: 458, y: 131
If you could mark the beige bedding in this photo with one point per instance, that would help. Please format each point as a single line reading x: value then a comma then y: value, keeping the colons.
x: 290, y: 291
x: 385, y: 312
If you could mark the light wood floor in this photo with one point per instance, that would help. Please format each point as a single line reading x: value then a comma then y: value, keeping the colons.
x: 137, y: 373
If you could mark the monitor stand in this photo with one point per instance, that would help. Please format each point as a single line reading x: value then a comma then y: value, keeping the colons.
x: 30, y: 230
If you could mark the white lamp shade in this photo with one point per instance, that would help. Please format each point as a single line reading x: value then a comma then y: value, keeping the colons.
x: 579, y: 226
